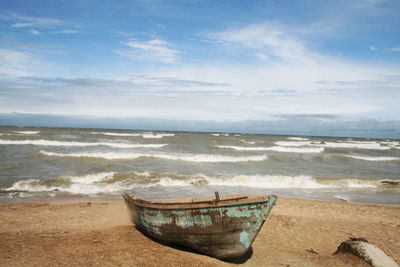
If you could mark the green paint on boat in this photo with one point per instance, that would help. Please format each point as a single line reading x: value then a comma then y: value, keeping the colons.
x: 223, y: 228
x: 244, y: 239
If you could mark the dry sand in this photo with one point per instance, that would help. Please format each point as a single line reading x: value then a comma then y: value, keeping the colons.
x: 87, y: 234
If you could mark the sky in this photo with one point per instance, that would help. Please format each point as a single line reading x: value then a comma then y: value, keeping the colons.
x: 307, y: 67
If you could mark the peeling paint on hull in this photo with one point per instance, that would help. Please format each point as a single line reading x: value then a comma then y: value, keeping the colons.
x: 222, y: 232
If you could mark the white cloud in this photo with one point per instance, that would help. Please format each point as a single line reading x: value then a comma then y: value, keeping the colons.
x: 394, y: 49
x: 373, y: 48
x: 16, y: 63
x: 267, y: 39
x: 26, y: 21
x: 152, y: 50
x: 35, y: 32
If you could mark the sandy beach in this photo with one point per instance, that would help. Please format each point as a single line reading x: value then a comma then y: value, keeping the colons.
x: 100, y: 233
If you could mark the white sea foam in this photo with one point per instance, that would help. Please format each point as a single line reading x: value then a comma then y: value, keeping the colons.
x: 297, y: 138
x: 359, y: 145
x: 250, y: 142
x: 292, y: 143
x: 184, y: 157
x: 268, y: 181
x: 276, y: 148
x: 117, y: 134
x: 368, y: 158
x: 157, y: 136
x: 26, y: 132
x: 32, y: 185
x: 144, y: 135
x: 390, y: 143
x: 215, y: 134
x: 348, y: 144
x: 42, y: 142
x: 102, y: 182
x: 88, y: 184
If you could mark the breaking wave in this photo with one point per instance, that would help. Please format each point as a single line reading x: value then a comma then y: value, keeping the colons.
x: 112, y: 182
x: 359, y: 145
x: 368, y: 158
x: 292, y: 143
x: 76, y: 144
x: 298, y: 138
x: 26, y: 132
x: 144, y: 135
x: 276, y: 149
x: 89, y: 184
x: 116, y: 134
x: 157, y: 136
x: 390, y: 143
x: 184, y: 157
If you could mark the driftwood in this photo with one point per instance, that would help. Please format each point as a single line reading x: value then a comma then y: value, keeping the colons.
x: 312, y: 251
x: 367, y: 252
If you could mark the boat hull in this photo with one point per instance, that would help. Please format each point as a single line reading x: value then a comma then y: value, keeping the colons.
x: 223, y: 232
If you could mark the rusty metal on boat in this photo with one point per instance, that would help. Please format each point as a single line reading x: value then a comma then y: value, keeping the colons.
x: 224, y: 227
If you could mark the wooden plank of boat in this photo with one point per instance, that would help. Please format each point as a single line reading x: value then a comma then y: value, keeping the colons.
x: 223, y: 228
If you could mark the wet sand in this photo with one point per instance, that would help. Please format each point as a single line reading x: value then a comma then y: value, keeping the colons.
x: 297, y: 233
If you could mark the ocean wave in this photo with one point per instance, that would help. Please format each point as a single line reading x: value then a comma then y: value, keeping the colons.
x: 26, y: 132
x: 144, y: 135
x: 369, y: 158
x: 248, y: 142
x: 292, y: 143
x: 276, y: 149
x: 184, y: 157
x: 88, y: 184
x: 348, y: 144
x: 277, y: 181
x: 42, y: 142
x: 390, y: 143
x: 298, y: 138
x: 217, y: 134
x: 116, y: 134
x: 111, y: 182
x: 359, y: 145
x: 157, y: 136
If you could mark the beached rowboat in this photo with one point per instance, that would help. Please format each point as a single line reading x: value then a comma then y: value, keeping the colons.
x: 223, y: 228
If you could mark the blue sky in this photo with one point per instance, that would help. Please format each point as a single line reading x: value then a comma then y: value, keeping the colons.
x: 321, y: 62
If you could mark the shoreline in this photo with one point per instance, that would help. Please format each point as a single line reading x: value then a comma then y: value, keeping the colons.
x: 76, y: 199
x: 99, y: 232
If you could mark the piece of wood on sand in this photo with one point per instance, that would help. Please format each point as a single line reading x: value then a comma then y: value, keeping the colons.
x: 367, y: 252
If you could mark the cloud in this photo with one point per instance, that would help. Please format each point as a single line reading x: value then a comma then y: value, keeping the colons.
x: 267, y: 41
x: 138, y: 95
x: 394, y: 49
x: 373, y: 48
x: 22, y: 21
x: 35, y: 32
x: 38, y: 22
x: 17, y: 63
x: 152, y: 50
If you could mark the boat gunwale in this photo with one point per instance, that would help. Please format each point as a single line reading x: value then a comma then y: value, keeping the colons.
x: 174, y: 205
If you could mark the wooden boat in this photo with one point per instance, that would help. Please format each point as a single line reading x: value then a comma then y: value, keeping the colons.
x: 223, y: 228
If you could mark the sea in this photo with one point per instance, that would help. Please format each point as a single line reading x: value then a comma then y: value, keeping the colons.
x: 49, y: 163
